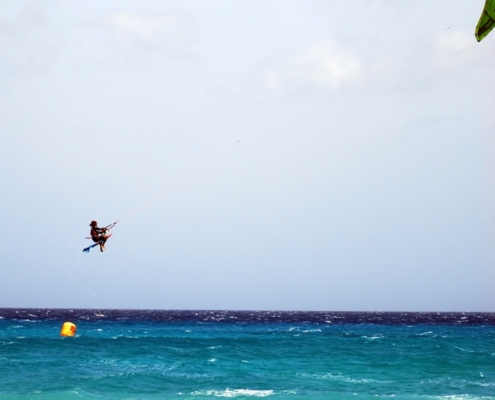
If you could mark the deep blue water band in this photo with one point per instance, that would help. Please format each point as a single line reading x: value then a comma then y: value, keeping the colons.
x: 219, y: 316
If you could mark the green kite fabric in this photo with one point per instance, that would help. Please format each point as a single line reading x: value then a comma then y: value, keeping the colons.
x: 487, y: 20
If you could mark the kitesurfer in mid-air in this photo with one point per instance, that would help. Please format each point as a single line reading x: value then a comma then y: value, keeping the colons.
x: 99, y: 235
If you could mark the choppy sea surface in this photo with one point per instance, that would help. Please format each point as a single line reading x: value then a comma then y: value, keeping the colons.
x: 151, y: 354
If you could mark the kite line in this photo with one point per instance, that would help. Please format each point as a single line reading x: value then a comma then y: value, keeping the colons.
x: 485, y: 25
x: 209, y: 161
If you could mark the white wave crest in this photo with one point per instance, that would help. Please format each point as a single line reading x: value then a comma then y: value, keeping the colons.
x: 233, y: 393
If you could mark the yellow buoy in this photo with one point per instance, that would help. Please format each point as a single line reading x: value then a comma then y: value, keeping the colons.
x: 68, y: 329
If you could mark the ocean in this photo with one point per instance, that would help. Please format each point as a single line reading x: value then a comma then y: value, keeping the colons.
x: 154, y: 354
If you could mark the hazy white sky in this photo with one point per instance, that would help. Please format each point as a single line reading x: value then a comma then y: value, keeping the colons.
x: 364, y: 178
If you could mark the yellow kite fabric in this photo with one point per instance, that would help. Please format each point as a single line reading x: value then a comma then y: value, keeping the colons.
x: 487, y: 20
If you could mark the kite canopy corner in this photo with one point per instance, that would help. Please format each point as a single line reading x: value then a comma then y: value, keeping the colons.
x: 486, y: 22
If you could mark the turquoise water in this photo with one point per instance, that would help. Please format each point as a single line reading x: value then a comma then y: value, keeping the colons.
x: 205, y: 358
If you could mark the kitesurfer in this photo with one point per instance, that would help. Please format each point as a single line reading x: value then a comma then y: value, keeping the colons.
x: 99, y: 235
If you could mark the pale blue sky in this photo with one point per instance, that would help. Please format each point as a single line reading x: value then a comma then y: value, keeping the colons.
x: 364, y: 179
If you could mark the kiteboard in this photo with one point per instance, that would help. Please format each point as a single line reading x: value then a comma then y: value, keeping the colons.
x: 87, y: 249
